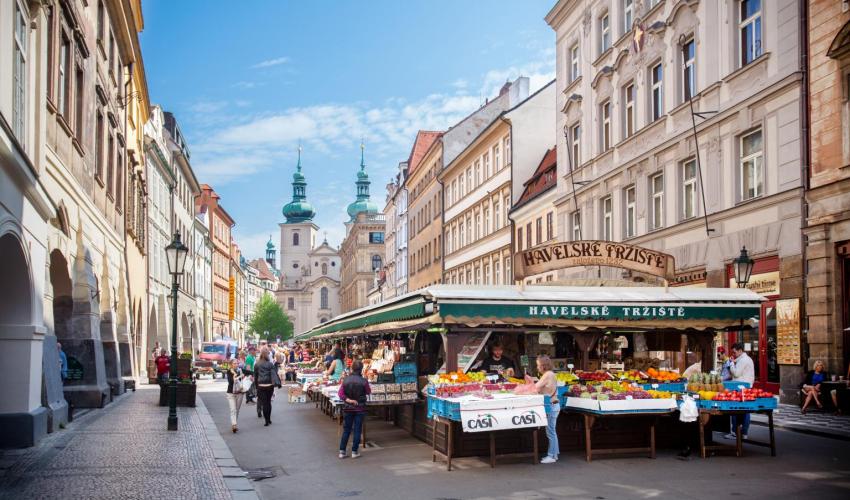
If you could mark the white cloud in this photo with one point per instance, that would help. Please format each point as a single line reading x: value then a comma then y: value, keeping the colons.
x: 208, y: 106
x: 245, y: 85
x: 271, y: 62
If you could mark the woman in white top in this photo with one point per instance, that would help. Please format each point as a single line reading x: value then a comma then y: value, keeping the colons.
x: 547, y: 385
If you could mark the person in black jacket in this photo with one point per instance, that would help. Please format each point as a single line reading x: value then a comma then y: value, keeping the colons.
x: 266, y: 378
x: 353, y: 392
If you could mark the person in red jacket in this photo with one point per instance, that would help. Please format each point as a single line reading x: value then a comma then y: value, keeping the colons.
x: 163, y: 364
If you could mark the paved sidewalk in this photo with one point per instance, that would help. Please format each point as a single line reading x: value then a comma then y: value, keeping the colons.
x: 814, y: 422
x: 125, y: 451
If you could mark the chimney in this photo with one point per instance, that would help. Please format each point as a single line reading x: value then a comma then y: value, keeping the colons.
x: 505, y: 88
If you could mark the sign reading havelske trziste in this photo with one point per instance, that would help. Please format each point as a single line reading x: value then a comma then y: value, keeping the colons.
x: 554, y: 256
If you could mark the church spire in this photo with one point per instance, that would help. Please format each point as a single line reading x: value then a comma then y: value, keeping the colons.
x: 299, y: 209
x: 363, y: 204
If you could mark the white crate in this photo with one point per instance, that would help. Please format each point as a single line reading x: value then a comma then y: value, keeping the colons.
x: 583, y: 403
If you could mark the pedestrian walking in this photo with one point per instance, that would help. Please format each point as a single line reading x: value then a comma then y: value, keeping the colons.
x: 266, y: 379
x: 353, y: 392
x: 235, y: 393
x: 163, y: 365
x: 249, y: 370
x: 63, y: 362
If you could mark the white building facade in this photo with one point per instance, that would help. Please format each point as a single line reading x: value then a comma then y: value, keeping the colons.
x: 625, y: 72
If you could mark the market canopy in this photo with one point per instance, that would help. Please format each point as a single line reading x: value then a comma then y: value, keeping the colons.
x: 547, y: 307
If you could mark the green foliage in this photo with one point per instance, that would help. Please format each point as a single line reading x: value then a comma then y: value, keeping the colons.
x: 269, y: 317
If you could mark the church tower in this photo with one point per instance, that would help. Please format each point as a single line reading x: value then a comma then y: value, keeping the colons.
x: 271, y: 253
x: 297, y: 232
x: 363, y: 203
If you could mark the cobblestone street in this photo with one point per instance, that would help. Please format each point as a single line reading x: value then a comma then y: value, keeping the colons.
x: 121, y: 451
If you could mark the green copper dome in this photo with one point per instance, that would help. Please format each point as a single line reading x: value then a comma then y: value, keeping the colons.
x: 299, y: 209
x: 270, y: 245
x: 363, y: 204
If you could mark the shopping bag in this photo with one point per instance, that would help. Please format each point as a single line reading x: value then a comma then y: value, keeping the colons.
x: 688, y: 412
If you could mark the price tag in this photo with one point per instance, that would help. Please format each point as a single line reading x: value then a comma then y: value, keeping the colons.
x: 696, y: 396
x: 629, y: 398
x: 741, y: 388
x: 571, y: 366
x: 655, y: 386
x: 454, y: 376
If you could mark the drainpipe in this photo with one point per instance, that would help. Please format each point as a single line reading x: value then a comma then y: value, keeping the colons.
x: 805, y: 145
x: 131, y: 322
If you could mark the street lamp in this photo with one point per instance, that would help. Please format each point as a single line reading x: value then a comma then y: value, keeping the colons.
x: 175, y: 255
x: 743, y: 267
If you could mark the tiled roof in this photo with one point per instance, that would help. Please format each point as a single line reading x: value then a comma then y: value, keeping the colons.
x: 424, y: 140
x: 542, y: 180
x: 263, y: 267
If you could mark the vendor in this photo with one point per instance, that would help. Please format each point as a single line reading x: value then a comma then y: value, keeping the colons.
x: 496, y: 363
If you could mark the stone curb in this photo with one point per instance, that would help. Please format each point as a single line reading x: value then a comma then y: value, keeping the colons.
x: 234, y: 477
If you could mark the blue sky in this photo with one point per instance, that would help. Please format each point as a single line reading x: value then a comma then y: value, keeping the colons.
x: 247, y: 80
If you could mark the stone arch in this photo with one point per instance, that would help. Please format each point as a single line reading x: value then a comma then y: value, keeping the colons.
x: 16, y: 294
x: 185, y: 334
x: 63, y: 302
x: 152, y: 333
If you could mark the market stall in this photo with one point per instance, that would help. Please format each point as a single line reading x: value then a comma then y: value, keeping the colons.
x: 610, y: 331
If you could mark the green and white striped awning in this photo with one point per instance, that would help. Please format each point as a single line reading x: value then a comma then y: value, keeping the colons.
x: 563, y: 307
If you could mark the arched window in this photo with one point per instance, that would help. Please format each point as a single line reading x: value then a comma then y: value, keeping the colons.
x: 324, y: 268
x: 324, y: 297
x: 295, y: 239
x: 290, y: 303
x: 376, y: 262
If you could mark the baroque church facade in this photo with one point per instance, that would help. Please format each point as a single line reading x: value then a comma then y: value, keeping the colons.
x: 309, y: 269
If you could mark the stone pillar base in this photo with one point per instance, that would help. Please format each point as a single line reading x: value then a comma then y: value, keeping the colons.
x: 88, y: 396
x: 21, y: 430
x: 124, y: 355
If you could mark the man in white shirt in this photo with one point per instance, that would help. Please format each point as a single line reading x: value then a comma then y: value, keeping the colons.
x: 742, y: 370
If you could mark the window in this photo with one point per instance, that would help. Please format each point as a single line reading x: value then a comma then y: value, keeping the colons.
x: 575, y: 138
x: 628, y: 15
x: 486, y: 222
x: 324, y: 268
x: 629, y: 98
x: 449, y: 241
x: 549, y: 226
x: 290, y: 304
x: 575, y: 67
x: 78, y: 103
x: 497, y: 272
x: 528, y: 243
x: 119, y: 183
x: 462, y: 235
x: 324, y: 297
x: 689, y: 188
x: 487, y: 274
x: 506, y: 142
x: 607, y: 218
x: 477, y: 173
x: 751, y: 175
x: 110, y: 166
x: 376, y: 237
x: 477, y: 225
x: 605, y: 112
x: 576, y: 225
x: 19, y: 109
x: 750, y: 29
x: 296, y: 239
x: 477, y: 275
x: 497, y: 219
x: 101, y: 20
x: 538, y: 230
x: 657, y: 80
x: 469, y: 186
x: 486, y: 161
x: 688, y: 68
x: 497, y: 159
x: 656, y: 185
x: 507, y: 208
x: 64, y: 103
x: 460, y: 182
x: 631, y: 212
x: 519, y: 238
x: 604, y: 34
x: 508, y: 275
x: 469, y: 228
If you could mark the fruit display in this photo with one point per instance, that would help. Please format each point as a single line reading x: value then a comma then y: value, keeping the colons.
x: 663, y: 375
x: 603, y: 392
x: 598, y: 375
x: 661, y: 394
x: 705, y: 382
x: 741, y: 396
x: 459, y: 377
x: 632, y: 375
x: 566, y: 377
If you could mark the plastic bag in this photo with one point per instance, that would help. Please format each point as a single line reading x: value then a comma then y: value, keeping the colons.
x: 688, y: 412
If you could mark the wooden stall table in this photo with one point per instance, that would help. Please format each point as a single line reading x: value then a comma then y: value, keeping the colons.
x: 705, y: 415
x: 590, y: 417
x: 447, y: 456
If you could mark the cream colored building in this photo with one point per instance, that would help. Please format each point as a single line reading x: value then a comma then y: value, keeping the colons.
x: 533, y: 213
x: 424, y: 195
x: 362, y: 250
x: 627, y: 136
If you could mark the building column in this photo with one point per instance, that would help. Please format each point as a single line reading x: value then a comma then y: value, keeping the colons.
x: 83, y: 344
x: 820, y: 296
x: 108, y: 327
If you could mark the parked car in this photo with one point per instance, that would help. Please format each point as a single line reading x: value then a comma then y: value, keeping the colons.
x: 213, y: 355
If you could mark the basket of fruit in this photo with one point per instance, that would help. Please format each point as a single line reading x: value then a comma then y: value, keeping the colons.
x: 705, y: 382
x: 746, y: 399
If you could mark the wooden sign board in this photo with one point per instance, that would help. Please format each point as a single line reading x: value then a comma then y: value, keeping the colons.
x: 554, y: 256
x: 788, y: 332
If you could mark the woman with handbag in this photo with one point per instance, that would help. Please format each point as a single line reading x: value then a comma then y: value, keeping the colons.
x: 236, y: 383
x: 267, y: 379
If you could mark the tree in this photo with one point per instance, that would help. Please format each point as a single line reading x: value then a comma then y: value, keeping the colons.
x: 269, y: 321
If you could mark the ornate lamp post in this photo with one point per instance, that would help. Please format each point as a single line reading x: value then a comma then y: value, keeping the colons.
x: 175, y: 255
x: 743, y: 267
